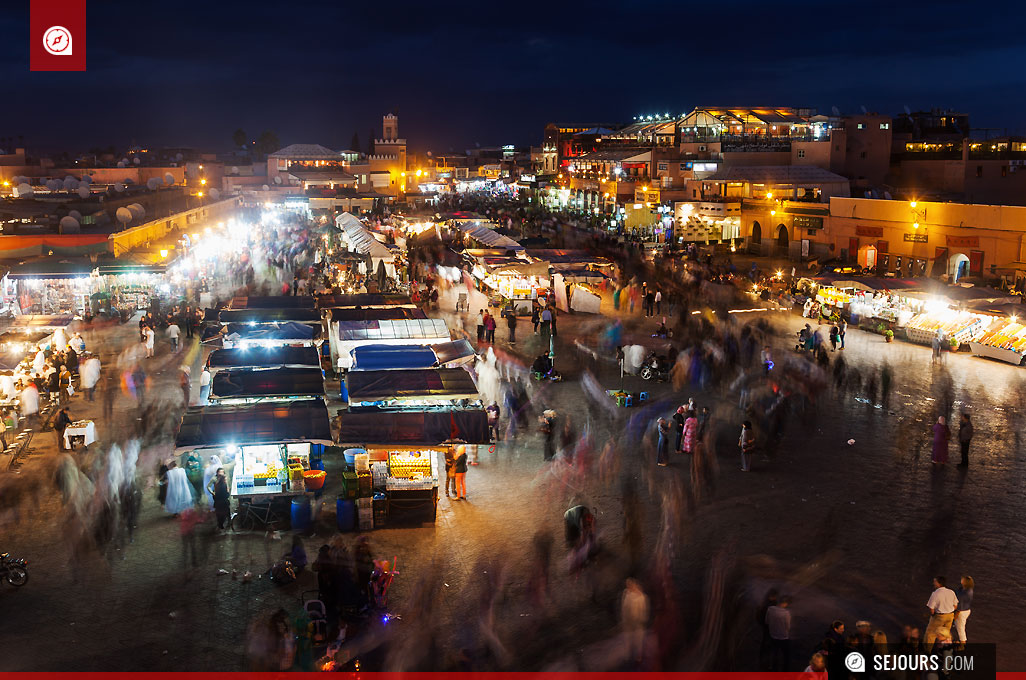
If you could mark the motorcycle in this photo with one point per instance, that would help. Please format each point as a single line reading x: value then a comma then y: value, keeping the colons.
x: 13, y: 570
x: 655, y: 366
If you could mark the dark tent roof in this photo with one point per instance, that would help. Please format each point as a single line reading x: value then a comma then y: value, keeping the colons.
x: 363, y: 300
x: 410, y: 384
x: 263, y: 357
x: 51, y: 269
x: 414, y: 427
x: 268, y: 423
x: 274, y: 331
x: 267, y: 382
x: 39, y: 321
x: 390, y: 357
x: 28, y: 337
x: 10, y: 360
x: 117, y: 268
x: 265, y: 315
x: 378, y: 314
x: 272, y: 302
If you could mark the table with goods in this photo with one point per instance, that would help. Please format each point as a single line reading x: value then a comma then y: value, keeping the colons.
x: 388, y: 484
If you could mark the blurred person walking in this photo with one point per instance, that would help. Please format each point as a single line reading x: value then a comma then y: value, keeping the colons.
x: 965, y: 436
x: 747, y: 445
x: 90, y: 375
x: 941, y: 434
x: 634, y: 614
x: 663, y: 445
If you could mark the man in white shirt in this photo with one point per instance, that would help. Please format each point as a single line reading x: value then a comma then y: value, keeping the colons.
x: 778, y: 621
x: 659, y: 301
x: 204, y: 386
x: 942, y: 605
x: 148, y: 334
x: 173, y: 331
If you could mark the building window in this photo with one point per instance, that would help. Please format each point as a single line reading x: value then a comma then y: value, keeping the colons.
x: 801, y: 153
x: 885, y: 126
x: 861, y: 126
x: 862, y: 155
x: 979, y: 171
x: 683, y: 167
x: 663, y: 166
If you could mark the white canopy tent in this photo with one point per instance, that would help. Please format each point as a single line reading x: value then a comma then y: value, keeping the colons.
x: 488, y: 237
x: 360, y: 239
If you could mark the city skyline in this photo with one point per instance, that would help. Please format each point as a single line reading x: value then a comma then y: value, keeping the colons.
x: 486, y: 76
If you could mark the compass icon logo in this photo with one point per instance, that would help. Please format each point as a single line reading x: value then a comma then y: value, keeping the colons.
x: 57, y: 41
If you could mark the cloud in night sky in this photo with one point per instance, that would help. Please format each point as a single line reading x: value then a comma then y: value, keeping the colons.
x: 496, y: 73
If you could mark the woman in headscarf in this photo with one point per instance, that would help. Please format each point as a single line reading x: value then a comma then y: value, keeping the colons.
x: 208, y: 473
x: 179, y: 491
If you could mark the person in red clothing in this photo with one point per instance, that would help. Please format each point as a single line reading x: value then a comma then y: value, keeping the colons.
x: 489, y: 324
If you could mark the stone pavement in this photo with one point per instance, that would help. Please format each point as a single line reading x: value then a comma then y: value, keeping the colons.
x: 851, y: 531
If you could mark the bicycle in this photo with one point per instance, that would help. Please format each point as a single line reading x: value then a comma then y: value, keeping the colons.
x: 250, y: 515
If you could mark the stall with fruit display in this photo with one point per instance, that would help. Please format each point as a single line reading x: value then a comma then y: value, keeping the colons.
x: 1004, y: 336
x: 405, y: 453
x: 271, y: 452
x: 953, y: 325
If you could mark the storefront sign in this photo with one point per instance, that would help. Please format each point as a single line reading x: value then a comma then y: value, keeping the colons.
x: 861, y: 230
x: 807, y: 222
x: 916, y: 238
x: 963, y: 241
x: 650, y: 196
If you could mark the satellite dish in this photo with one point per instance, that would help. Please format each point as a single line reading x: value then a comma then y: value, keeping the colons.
x: 23, y: 190
x: 76, y: 214
x: 908, y: 111
x: 119, y: 187
x: 169, y: 179
x: 121, y: 164
x: 152, y: 183
x: 863, y: 107
x: 70, y: 183
x: 836, y: 111
x: 179, y: 156
x: 124, y: 215
x: 215, y: 194
x: 138, y: 212
x: 235, y: 169
x: 83, y: 190
x: 266, y: 188
x: 137, y: 160
x: 277, y: 179
x: 87, y: 179
x: 69, y: 224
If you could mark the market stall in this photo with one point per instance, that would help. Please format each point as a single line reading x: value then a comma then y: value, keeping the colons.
x: 507, y: 279
x: 954, y: 312
x: 272, y: 302
x: 347, y: 335
x: 289, y: 334
x: 360, y: 239
x: 363, y: 301
x: 258, y: 385
x: 268, y: 447
x: 269, y: 315
x: 412, y: 389
x: 868, y: 300
x: 393, y: 357
x: 406, y: 451
x: 263, y: 357
x: 584, y: 289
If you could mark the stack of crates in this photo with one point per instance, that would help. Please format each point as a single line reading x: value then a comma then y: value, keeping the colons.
x: 349, y: 485
x: 365, y: 513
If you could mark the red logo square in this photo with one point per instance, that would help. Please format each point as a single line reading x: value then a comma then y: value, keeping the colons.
x: 57, y: 35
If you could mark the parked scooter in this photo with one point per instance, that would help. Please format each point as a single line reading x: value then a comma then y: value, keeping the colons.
x: 655, y: 366
x: 13, y: 570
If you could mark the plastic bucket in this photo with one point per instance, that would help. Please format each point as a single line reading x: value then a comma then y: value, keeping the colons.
x: 350, y: 455
x: 301, y: 514
x: 346, y: 512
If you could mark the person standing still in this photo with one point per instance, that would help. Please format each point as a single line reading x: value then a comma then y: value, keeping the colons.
x: 511, y: 324
x: 942, y: 605
x: 964, y: 593
x: 480, y: 326
x: 489, y: 324
x: 218, y: 488
x: 747, y: 445
x: 460, y: 468
x: 450, y: 472
x: 778, y: 621
x: 149, y: 335
x: 535, y: 318
x: 173, y: 331
x: 842, y: 327
x: 965, y: 435
x: 204, y: 386
x: 59, y: 426
x: 663, y: 446
x: 659, y: 302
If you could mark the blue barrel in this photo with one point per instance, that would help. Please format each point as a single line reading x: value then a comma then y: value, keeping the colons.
x: 301, y: 514
x: 350, y: 456
x: 346, y: 510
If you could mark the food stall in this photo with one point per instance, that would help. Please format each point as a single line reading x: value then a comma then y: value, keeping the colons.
x: 1003, y: 339
x: 271, y: 302
x: 419, y: 389
x: 868, y: 300
x: 263, y: 357
x: 348, y: 335
x: 412, y: 446
x: 266, y: 448
x: 340, y: 320
x: 269, y: 315
x: 393, y: 357
x: 507, y: 278
x: 955, y: 312
x: 584, y: 288
x: 257, y: 385
x: 363, y: 301
x: 289, y: 334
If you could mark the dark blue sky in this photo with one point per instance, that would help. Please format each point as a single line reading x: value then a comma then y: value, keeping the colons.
x: 494, y: 73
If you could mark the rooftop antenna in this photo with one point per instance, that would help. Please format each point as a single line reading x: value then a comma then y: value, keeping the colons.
x: 864, y: 111
x: 836, y: 111
x: 908, y: 111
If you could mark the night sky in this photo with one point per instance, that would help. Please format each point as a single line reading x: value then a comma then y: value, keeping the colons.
x: 460, y: 74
